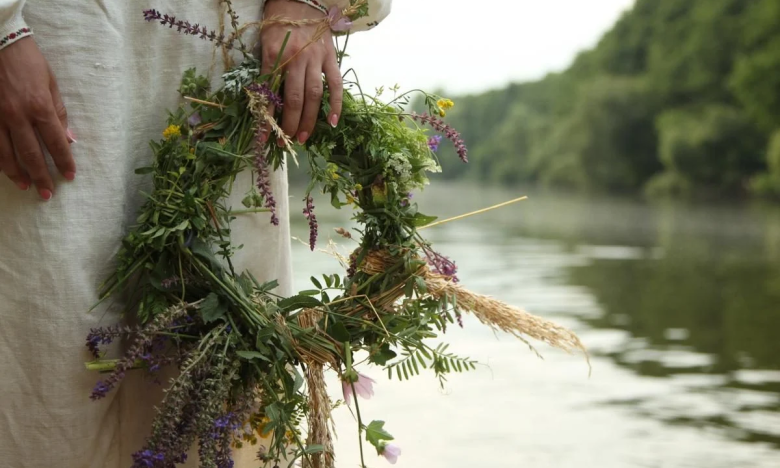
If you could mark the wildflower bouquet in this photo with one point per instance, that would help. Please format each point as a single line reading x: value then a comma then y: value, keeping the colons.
x: 250, y: 364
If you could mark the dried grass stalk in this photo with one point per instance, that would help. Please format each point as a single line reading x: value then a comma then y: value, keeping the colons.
x: 501, y: 316
x: 319, y: 404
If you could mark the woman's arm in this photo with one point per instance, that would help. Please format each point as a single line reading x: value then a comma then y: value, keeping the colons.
x: 30, y: 107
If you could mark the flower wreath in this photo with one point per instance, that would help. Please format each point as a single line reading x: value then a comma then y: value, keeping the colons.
x: 250, y: 364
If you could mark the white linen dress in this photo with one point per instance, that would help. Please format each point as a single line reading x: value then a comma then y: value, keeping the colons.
x: 117, y: 75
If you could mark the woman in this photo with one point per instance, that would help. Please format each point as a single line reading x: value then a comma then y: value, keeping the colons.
x: 74, y: 140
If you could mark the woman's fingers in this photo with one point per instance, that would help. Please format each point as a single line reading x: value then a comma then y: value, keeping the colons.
x: 293, y: 97
x: 30, y: 155
x: 335, y: 89
x: 55, y: 138
x: 8, y: 163
x: 59, y: 108
x: 311, y: 106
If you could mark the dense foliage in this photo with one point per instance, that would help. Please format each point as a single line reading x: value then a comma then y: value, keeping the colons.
x: 680, y: 97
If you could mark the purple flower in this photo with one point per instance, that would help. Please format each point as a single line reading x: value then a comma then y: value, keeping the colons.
x: 338, y: 22
x: 194, y: 119
x: 226, y: 422
x: 442, y: 265
x: 433, y: 143
x: 406, y: 200
x: 364, y: 387
x: 191, y: 29
x: 105, y: 336
x: 147, y: 459
x: 391, y: 452
x: 266, y: 91
x: 452, y: 134
x: 264, y: 177
x: 308, y: 211
x: 100, y: 391
x: 168, y: 283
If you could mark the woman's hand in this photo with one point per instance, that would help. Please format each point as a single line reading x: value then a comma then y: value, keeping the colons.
x: 303, y: 88
x: 31, y: 106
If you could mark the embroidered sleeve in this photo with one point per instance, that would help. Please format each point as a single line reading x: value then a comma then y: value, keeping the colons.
x: 12, y: 25
x: 377, y: 11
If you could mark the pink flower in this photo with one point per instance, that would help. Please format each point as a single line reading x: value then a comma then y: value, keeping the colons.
x: 338, y: 22
x: 364, y: 386
x: 391, y: 453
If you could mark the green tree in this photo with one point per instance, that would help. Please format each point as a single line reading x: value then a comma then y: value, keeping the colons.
x: 714, y: 146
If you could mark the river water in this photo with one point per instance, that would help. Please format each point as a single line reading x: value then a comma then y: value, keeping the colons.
x: 678, y: 304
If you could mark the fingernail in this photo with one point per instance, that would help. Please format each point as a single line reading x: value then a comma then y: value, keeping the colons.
x: 23, y: 186
x: 263, y: 137
x: 70, y: 175
x: 302, y: 137
x: 70, y: 135
x: 45, y: 194
x: 334, y: 120
x: 280, y: 142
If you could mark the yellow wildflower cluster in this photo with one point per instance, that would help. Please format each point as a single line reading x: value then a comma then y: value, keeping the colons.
x: 253, y: 428
x: 173, y: 131
x: 444, y: 105
x: 333, y: 171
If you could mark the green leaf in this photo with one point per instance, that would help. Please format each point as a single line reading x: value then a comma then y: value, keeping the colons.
x: 298, y: 383
x: 298, y: 302
x: 384, y: 355
x: 249, y: 355
x: 231, y: 110
x: 246, y: 283
x: 316, y: 282
x: 182, y: 226
x: 309, y: 292
x: 420, y: 220
x: 144, y: 170
x: 202, y: 250
x: 375, y: 433
x: 421, y: 287
x: 212, y: 309
x: 268, y: 286
x: 339, y: 332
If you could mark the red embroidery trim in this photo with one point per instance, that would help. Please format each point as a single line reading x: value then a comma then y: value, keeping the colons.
x: 315, y: 4
x: 15, y: 35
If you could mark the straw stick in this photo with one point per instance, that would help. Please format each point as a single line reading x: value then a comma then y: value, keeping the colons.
x: 483, y: 210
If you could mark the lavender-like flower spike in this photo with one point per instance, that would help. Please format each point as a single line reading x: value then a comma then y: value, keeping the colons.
x: 266, y: 91
x: 105, y: 336
x: 192, y: 29
x: 147, y: 459
x: 433, y: 143
x: 142, y: 342
x: 308, y: 211
x: 452, y: 134
x: 264, y: 176
x: 442, y: 265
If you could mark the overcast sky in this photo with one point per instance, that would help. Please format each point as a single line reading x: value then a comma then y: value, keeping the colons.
x: 473, y: 45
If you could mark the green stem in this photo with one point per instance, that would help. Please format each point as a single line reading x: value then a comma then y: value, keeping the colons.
x: 253, y: 210
x: 360, y: 425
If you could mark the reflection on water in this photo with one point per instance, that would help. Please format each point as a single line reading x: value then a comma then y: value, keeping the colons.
x: 679, y: 306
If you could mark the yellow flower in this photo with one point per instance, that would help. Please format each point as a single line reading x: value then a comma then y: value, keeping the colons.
x: 173, y: 131
x: 442, y: 113
x: 333, y: 171
x: 358, y: 187
x: 445, y: 104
